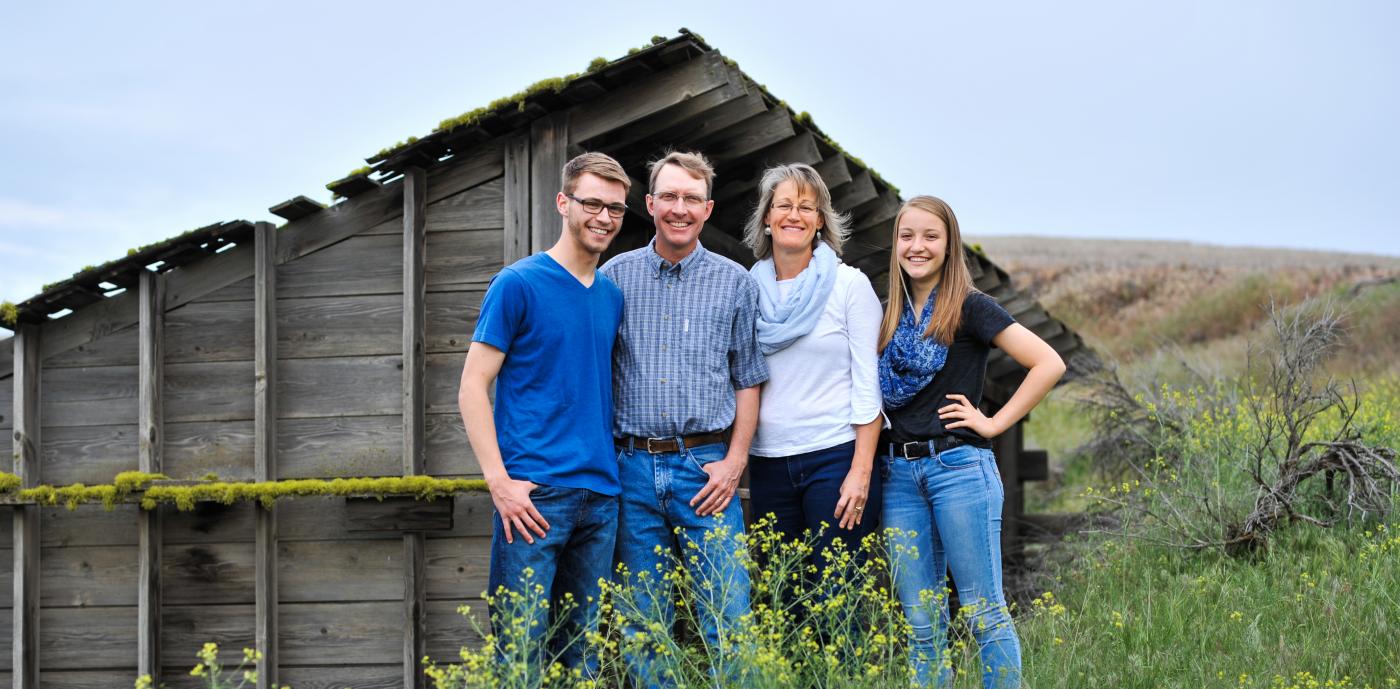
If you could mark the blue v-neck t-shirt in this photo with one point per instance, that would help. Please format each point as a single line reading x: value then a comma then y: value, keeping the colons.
x: 554, y: 401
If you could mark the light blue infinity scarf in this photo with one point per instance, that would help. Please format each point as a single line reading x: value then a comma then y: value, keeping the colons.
x: 910, y: 360
x: 781, y: 322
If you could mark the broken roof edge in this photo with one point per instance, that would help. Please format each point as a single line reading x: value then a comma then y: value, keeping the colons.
x: 123, y: 272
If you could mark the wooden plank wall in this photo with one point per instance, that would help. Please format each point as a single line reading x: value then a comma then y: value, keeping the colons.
x: 7, y: 391
x: 339, y: 411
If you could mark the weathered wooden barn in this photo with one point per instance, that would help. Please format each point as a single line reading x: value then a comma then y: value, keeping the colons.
x: 331, y: 346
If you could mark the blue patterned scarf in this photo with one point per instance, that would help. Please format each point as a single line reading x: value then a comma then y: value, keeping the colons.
x: 910, y: 360
x: 782, y: 321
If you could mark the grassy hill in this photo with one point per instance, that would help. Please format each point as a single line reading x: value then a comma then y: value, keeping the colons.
x: 1135, y: 300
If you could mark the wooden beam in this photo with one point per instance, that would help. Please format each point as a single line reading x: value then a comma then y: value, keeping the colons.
x: 414, y: 296
x: 397, y: 515
x: 714, y: 104
x: 24, y: 660
x: 689, y: 134
x: 298, y: 238
x: 297, y: 207
x: 151, y: 429
x: 415, y: 242
x: 648, y: 96
x: 549, y: 142
x: 860, y: 189
x: 834, y: 171
x: 517, y: 197
x: 265, y: 447
x: 415, y: 602
x: 748, y: 136
x: 7, y: 361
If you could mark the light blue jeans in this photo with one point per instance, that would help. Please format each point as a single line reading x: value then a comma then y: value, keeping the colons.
x: 944, y: 513
x: 657, y: 525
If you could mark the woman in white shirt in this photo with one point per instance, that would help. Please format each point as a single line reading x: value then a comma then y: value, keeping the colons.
x: 818, y: 324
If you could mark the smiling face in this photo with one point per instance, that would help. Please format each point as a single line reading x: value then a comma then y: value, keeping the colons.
x: 794, y: 217
x: 921, y: 244
x: 592, y: 232
x: 678, y: 222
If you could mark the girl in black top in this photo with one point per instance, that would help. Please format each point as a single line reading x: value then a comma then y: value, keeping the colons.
x: 942, y: 491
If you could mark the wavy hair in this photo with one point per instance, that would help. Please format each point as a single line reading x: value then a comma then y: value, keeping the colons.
x: 835, y: 226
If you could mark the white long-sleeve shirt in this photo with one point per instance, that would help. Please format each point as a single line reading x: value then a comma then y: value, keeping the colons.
x: 824, y: 384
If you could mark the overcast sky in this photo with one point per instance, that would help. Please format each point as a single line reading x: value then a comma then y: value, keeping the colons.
x: 1252, y: 123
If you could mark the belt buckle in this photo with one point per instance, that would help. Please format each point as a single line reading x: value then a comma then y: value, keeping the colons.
x: 905, y: 448
x: 649, y: 441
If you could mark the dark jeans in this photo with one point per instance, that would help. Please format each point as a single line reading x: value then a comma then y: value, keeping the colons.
x: 565, y: 565
x: 801, y: 492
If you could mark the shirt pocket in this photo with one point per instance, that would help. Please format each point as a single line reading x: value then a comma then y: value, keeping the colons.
x: 704, y: 337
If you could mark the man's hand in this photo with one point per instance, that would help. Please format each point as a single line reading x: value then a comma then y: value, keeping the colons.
x: 719, y: 491
x: 512, y: 499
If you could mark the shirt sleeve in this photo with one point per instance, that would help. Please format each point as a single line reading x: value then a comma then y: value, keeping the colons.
x: 502, y: 311
x: 747, y: 367
x: 986, y: 318
x: 862, y: 336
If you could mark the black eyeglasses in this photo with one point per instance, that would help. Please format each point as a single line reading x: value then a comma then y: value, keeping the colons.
x: 594, y: 206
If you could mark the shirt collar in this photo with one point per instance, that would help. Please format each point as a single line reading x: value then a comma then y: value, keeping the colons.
x: 682, y: 269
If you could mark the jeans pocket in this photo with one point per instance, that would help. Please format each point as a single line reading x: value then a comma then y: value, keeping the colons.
x: 961, y: 457
x: 698, y: 457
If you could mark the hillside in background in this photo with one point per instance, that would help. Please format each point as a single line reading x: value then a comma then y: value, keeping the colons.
x: 1139, y: 301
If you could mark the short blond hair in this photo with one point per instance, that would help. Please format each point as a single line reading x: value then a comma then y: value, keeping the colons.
x: 835, y: 225
x: 695, y: 163
x: 600, y: 164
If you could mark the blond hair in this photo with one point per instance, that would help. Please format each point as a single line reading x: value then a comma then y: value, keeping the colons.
x: 694, y: 163
x: 600, y: 164
x: 835, y: 226
x: 954, y: 280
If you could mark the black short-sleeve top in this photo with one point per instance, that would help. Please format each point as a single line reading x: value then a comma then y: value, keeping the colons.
x: 963, y: 372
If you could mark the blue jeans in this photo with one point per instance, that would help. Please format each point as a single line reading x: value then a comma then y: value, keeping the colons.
x: 945, y: 513
x: 566, y: 566
x: 657, y: 527
x: 801, y: 492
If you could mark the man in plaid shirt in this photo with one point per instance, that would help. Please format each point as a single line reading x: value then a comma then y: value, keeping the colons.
x: 686, y: 371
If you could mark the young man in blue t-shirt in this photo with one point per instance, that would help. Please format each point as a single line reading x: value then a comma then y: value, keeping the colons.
x: 545, y: 336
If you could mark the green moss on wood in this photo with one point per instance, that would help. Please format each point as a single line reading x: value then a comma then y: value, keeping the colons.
x: 266, y: 493
x: 9, y: 313
x: 804, y: 118
x: 517, y: 100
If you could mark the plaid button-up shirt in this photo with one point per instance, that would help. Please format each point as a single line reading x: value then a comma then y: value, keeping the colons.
x: 687, y: 341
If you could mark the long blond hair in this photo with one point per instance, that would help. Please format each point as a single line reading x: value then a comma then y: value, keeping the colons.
x: 954, y: 281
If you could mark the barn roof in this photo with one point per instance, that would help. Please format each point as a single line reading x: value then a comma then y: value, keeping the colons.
x: 736, y: 121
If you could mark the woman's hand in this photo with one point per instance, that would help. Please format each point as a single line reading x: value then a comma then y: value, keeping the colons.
x: 967, y: 416
x: 854, y: 491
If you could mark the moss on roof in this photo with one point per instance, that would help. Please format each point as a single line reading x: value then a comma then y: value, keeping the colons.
x: 804, y: 118
x: 518, y: 99
x: 9, y: 313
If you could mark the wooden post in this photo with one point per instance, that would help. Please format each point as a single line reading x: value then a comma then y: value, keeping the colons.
x: 549, y: 141
x: 1008, y: 447
x: 415, y: 196
x: 265, y: 447
x: 152, y: 434
x: 517, y: 194
x: 25, y: 659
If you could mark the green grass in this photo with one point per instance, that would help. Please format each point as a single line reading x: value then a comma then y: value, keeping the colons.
x: 1321, y: 602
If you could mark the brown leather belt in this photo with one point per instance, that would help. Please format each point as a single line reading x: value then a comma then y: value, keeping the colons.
x: 659, y: 445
